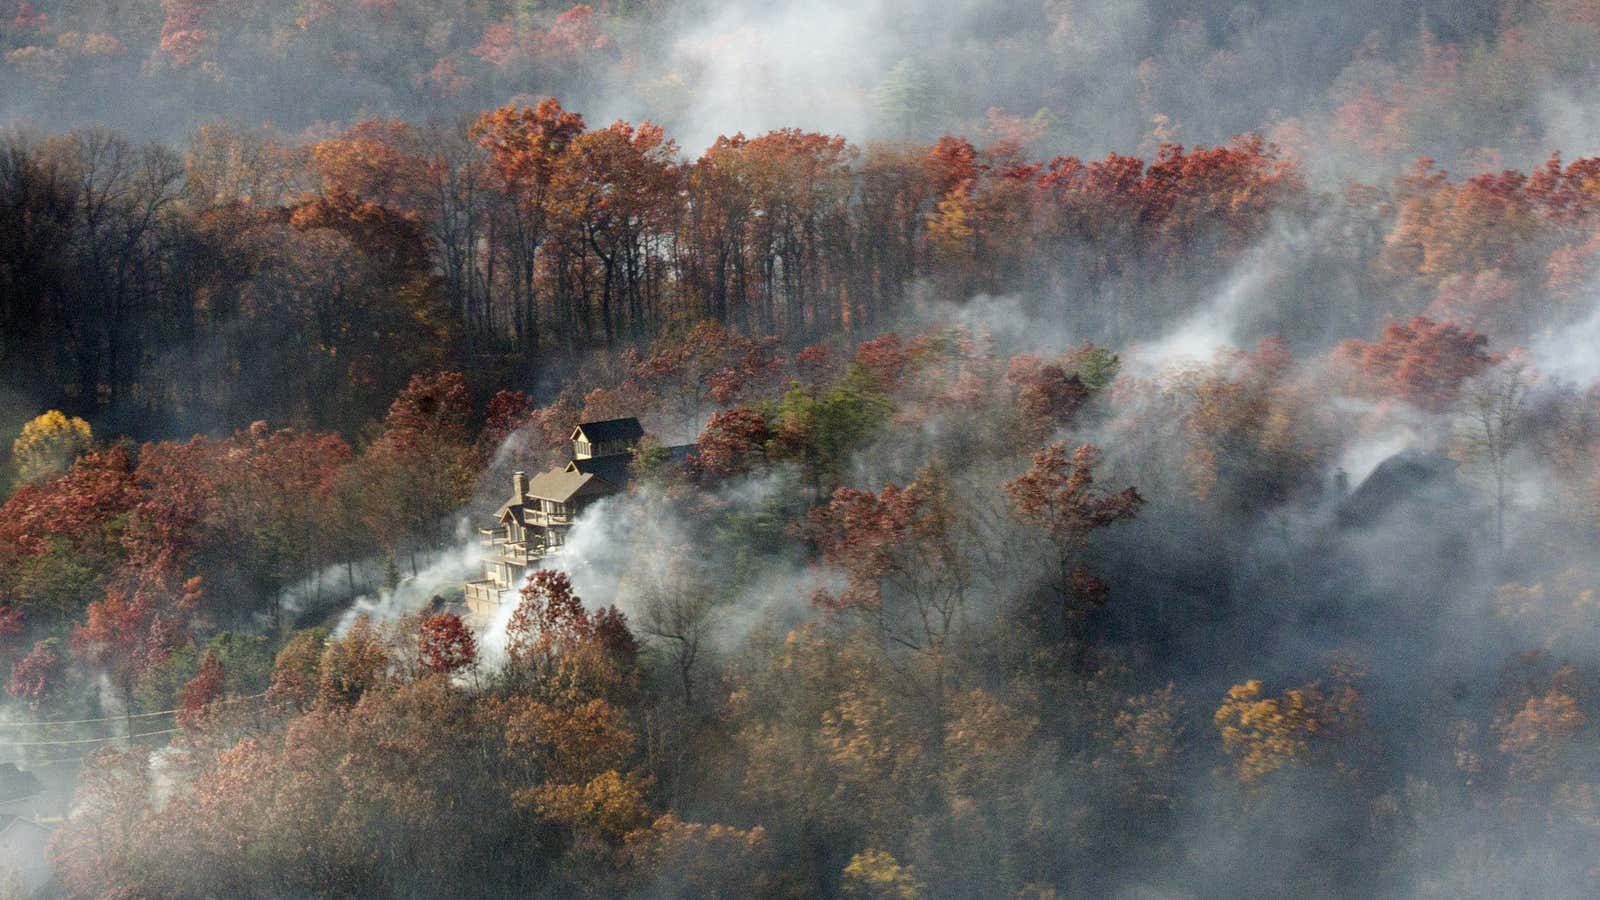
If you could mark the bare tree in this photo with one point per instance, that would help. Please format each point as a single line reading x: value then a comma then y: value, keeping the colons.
x: 1493, y: 404
x: 675, y: 609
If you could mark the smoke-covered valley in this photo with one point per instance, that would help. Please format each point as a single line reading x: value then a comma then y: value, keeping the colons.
x: 1084, y: 448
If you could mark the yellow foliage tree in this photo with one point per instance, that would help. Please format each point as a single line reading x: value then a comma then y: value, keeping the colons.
x: 675, y: 858
x: 1535, y: 738
x: 352, y: 665
x: 49, y: 444
x: 1264, y: 734
x: 605, y: 809
x: 878, y: 875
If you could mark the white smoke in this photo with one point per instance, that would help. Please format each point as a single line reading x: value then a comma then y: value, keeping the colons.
x: 1223, y: 319
x: 624, y: 541
x: 1572, y: 353
x: 441, y: 573
x: 759, y: 67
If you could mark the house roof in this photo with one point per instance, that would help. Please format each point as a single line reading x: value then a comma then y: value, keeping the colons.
x: 16, y: 784
x: 561, y: 485
x: 1408, y: 475
x: 612, y: 468
x: 627, y: 429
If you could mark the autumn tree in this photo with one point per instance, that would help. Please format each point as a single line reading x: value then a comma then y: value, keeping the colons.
x: 1421, y: 361
x: 877, y: 875
x: 39, y: 678
x: 102, y: 844
x: 1253, y: 435
x: 445, y: 645
x: 296, y: 670
x: 1266, y: 733
x: 283, y: 487
x: 900, y: 550
x: 690, y: 859
x: 706, y: 367
x: 61, y: 540
x: 205, y: 687
x: 351, y: 665
x: 1059, y: 497
x: 733, y: 443
x: 423, y: 465
x: 551, y: 634
x: 49, y: 444
x: 1535, y: 737
x: 525, y: 147
x: 507, y: 412
x: 1494, y: 406
x: 124, y: 636
x: 614, y: 193
x: 1048, y: 396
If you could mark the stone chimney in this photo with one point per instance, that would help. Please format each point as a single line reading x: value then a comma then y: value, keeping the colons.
x: 519, y: 485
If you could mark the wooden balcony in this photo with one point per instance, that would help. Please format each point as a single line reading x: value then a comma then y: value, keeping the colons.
x: 483, y: 593
x: 517, y: 554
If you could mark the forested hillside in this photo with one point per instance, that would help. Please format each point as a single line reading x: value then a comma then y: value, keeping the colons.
x: 1137, y: 449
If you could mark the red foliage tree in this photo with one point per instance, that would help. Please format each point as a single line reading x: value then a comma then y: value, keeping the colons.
x: 573, y: 35
x: 885, y: 358
x: 424, y: 464
x: 508, y: 411
x: 433, y: 409
x: 39, y: 677
x: 186, y: 30
x: 178, y: 513
x: 123, y: 636
x: 445, y: 645
x: 200, y: 691
x: 898, y: 551
x: 952, y: 163
x: 708, y: 365
x: 526, y: 147
x: 1422, y: 361
x: 549, y: 615
x: 1047, y: 395
x: 74, y: 507
x: 550, y: 623
x: 1059, y: 496
x: 814, y: 363
x: 734, y: 441
x: 378, y: 161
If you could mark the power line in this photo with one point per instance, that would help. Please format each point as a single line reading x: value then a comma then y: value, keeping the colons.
x: 148, y: 715
x: 98, y: 740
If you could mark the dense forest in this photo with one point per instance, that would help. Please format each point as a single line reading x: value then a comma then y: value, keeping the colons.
x: 1138, y: 448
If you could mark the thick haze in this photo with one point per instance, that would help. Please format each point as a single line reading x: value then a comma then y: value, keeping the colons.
x: 1100, y: 75
x: 1329, y: 500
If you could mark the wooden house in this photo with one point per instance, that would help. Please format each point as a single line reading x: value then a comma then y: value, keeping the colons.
x: 532, y: 524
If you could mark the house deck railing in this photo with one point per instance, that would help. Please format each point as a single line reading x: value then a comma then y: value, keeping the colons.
x: 486, y: 592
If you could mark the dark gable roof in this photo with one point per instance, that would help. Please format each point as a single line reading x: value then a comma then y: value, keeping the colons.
x: 609, y: 430
x: 16, y: 784
x: 612, y: 468
x: 1408, y: 476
